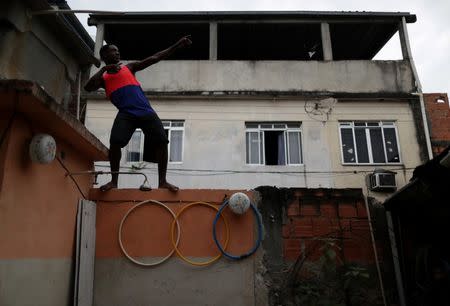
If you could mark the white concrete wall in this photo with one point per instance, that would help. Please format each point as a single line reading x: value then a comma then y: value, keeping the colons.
x: 331, y: 76
x: 215, y: 140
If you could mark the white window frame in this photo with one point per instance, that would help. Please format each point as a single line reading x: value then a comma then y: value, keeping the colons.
x: 381, y: 125
x: 141, y: 149
x: 168, y: 125
x: 275, y: 126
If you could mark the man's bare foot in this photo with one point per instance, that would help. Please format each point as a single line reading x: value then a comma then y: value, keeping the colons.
x: 169, y: 186
x: 108, y: 186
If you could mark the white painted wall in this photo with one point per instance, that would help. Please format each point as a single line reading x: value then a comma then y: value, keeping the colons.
x: 215, y: 140
x: 298, y: 76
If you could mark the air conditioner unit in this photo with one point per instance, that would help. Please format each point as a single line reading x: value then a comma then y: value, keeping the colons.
x: 382, y: 180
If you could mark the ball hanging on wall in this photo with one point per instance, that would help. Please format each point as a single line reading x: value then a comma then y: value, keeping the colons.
x: 42, y: 148
x: 239, y: 203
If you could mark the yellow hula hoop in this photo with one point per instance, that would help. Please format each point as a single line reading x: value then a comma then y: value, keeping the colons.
x: 140, y: 263
x: 175, y: 244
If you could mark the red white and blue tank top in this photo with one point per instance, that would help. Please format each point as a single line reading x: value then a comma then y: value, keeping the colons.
x: 126, y: 93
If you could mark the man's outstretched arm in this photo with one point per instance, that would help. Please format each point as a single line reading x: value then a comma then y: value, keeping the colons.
x: 140, y: 65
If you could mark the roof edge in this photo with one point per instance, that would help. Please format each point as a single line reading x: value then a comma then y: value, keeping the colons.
x: 96, y: 18
x: 43, y: 103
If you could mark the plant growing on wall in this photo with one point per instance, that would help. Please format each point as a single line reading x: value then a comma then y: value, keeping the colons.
x: 328, y: 281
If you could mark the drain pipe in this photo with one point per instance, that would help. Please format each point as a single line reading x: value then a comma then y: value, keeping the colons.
x: 375, y: 252
x: 397, y: 270
x: 407, y: 54
x: 425, y: 123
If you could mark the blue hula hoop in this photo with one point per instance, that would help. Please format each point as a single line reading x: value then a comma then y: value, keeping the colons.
x: 258, y: 241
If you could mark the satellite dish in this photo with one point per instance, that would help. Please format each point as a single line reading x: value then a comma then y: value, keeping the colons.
x: 42, y: 148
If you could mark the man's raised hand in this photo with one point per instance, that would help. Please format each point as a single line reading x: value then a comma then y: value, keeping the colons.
x: 185, y: 41
x: 112, y: 68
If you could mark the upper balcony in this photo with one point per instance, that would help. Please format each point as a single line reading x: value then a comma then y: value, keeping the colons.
x: 279, y: 76
x: 289, y: 52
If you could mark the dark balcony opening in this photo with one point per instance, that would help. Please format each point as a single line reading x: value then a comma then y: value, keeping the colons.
x: 137, y: 41
x: 359, y: 41
x: 274, y: 148
x: 269, y: 41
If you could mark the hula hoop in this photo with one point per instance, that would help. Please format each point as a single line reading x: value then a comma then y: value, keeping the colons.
x: 257, y: 243
x: 140, y: 263
x: 175, y: 245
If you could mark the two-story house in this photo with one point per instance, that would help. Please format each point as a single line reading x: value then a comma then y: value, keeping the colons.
x: 288, y: 99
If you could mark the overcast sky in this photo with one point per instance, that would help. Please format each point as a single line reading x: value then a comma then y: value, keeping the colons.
x: 429, y: 36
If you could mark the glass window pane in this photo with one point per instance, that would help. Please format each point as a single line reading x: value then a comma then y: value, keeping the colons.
x: 294, y: 148
x: 361, y: 145
x: 251, y: 125
x: 176, y: 146
x: 373, y: 123
x: 262, y: 156
x: 134, y: 147
x: 247, y: 147
x: 391, y: 145
x: 252, y: 140
x: 348, y: 148
x: 360, y: 124
x: 279, y: 126
x: 376, y: 140
x: 177, y: 123
x: 281, y: 149
x: 293, y: 125
x: 166, y: 123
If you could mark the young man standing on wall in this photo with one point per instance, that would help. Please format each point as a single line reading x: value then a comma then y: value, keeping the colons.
x: 135, y: 111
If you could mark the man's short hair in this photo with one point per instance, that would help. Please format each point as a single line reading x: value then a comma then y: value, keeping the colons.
x: 103, y: 49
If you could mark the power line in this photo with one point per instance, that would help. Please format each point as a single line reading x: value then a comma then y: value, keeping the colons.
x: 70, y: 175
x: 226, y: 171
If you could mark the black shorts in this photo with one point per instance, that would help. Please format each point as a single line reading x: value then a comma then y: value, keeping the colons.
x: 125, y: 125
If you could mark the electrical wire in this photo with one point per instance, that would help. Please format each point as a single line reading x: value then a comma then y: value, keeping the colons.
x: 175, y: 243
x: 205, y: 263
x: 70, y: 175
x: 224, y: 171
x: 257, y: 243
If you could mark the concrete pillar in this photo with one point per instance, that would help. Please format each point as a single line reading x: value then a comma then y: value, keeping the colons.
x: 326, y: 41
x: 213, y: 40
x: 99, y: 37
x: 404, y: 40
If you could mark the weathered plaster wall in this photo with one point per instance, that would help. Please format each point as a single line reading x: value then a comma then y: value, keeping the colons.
x: 307, y: 76
x: 38, y: 207
x: 146, y: 236
x: 215, y: 140
x: 35, y: 52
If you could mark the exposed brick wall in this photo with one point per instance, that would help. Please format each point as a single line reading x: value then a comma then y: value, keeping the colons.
x: 438, y: 116
x: 327, y: 213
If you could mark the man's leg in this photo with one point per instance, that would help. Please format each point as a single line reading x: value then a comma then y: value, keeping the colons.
x: 155, y: 148
x: 161, y: 158
x: 121, y: 132
x: 115, y: 153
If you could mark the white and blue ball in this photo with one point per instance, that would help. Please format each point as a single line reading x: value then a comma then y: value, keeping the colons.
x: 239, y: 203
x: 42, y: 149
